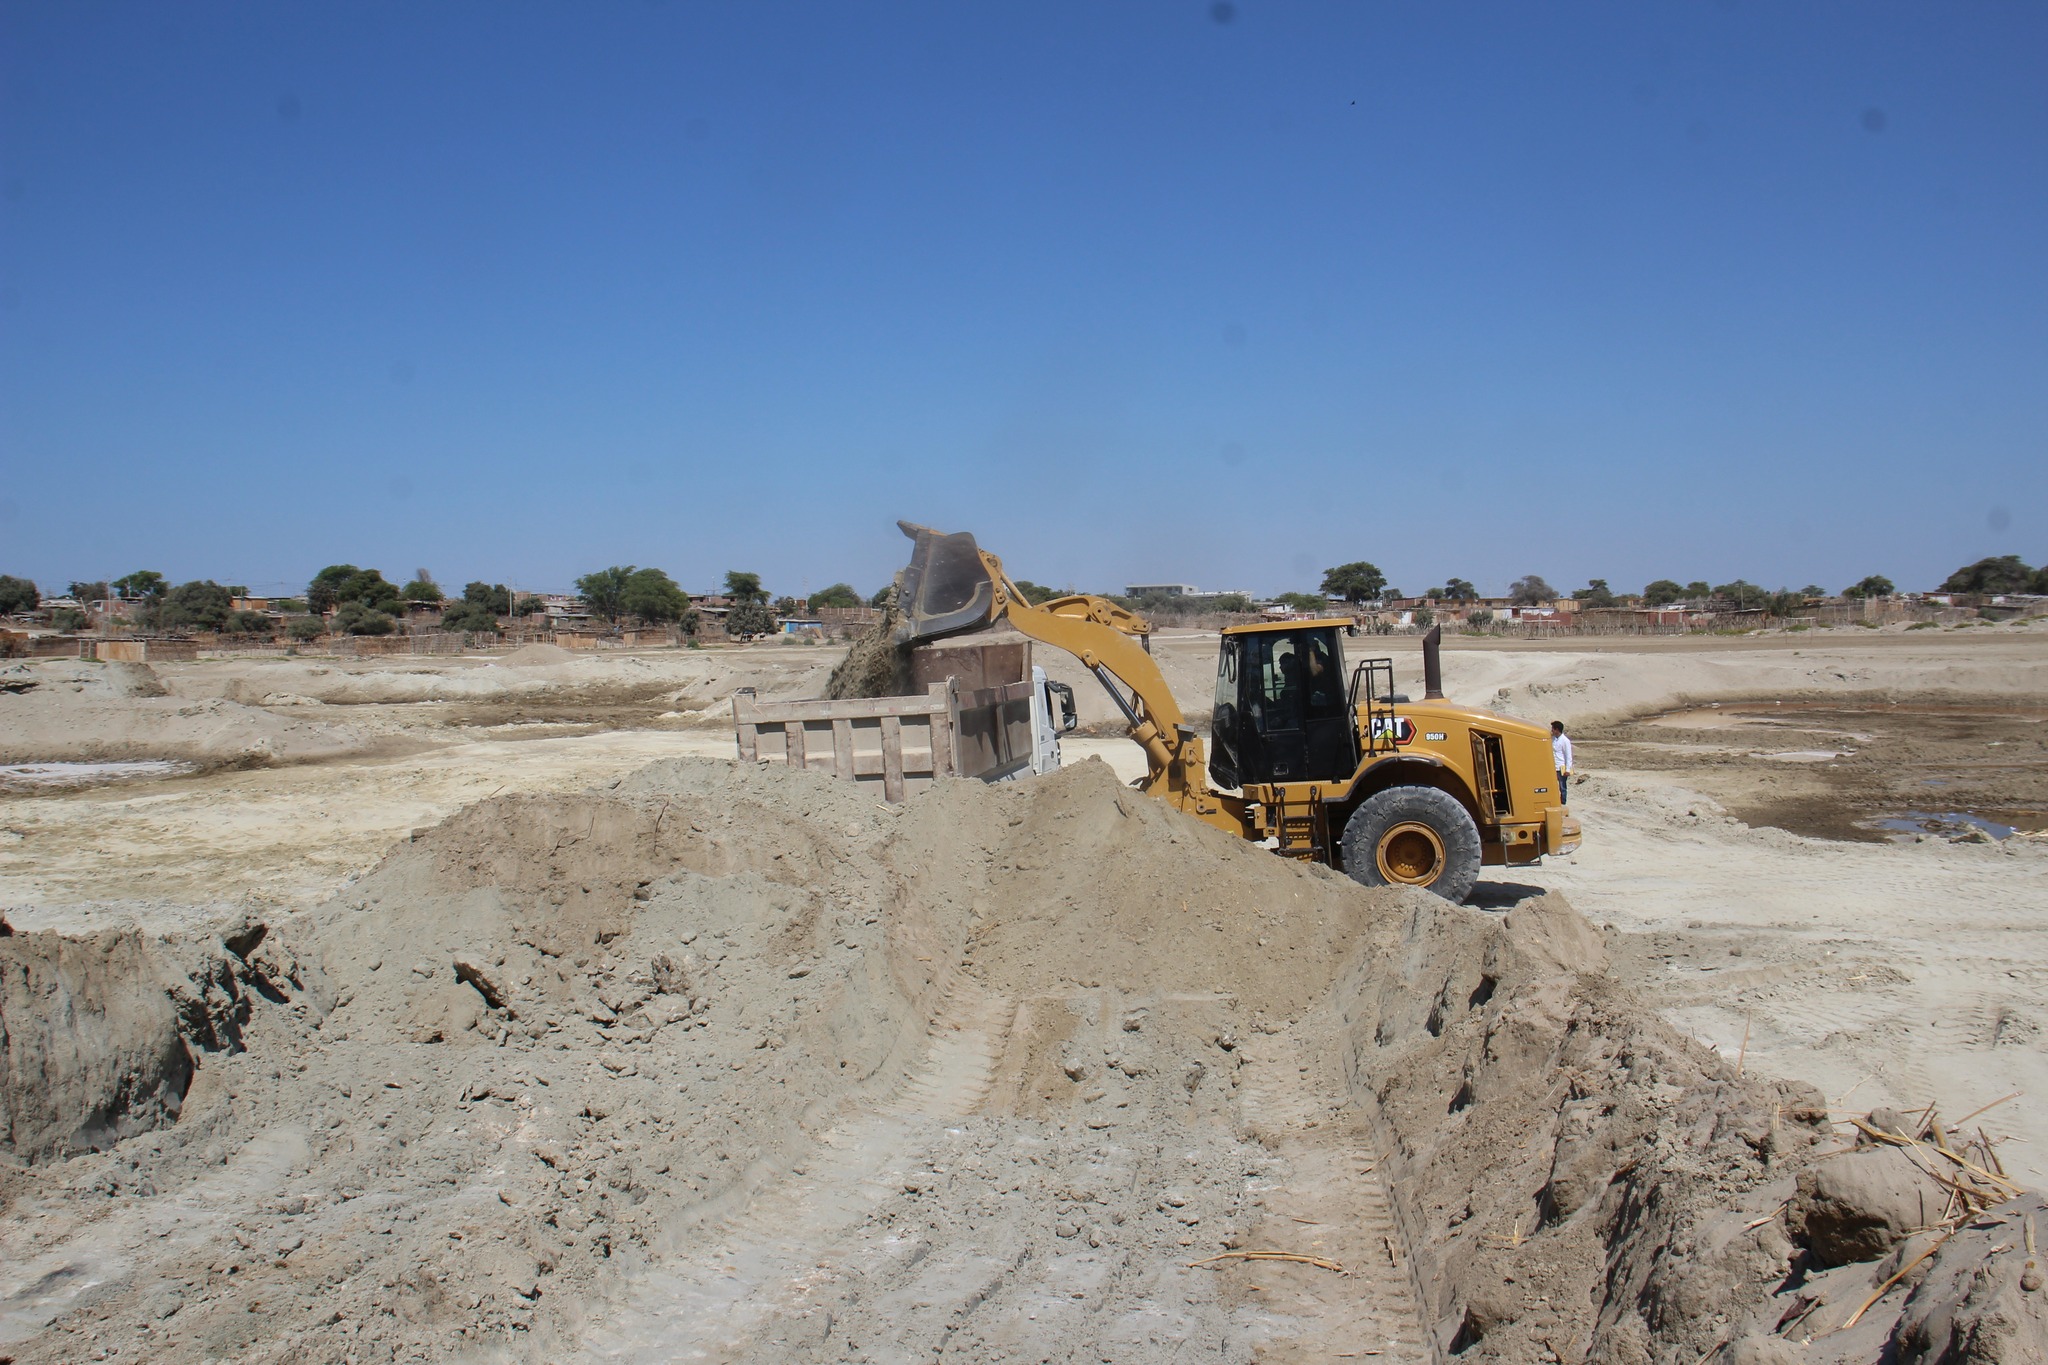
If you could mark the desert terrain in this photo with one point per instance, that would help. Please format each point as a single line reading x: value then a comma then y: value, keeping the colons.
x: 486, y: 1008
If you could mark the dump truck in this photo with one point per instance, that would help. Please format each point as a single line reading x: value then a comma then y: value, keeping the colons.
x: 1309, y: 760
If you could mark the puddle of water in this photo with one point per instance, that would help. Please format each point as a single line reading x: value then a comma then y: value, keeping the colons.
x: 48, y: 777
x: 1954, y: 824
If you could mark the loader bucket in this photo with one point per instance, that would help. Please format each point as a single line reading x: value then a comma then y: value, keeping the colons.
x: 945, y: 589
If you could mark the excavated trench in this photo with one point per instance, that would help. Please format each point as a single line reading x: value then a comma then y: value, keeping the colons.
x: 736, y: 1064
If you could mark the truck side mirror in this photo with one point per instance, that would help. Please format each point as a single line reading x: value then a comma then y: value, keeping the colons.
x: 1069, y: 720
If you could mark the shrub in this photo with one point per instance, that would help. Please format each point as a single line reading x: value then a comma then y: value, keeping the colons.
x: 305, y: 628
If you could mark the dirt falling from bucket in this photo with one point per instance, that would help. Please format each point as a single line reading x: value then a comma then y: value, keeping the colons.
x: 876, y: 666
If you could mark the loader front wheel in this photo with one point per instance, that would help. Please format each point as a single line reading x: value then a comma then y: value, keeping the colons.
x: 1413, y: 836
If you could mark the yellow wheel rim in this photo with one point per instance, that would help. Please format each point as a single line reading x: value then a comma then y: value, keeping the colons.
x: 1411, y: 853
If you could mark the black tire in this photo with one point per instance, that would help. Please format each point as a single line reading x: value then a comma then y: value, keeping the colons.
x: 1413, y: 836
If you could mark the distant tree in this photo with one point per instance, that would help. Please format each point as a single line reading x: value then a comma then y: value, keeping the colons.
x: 653, y: 596
x: 89, y: 592
x: 470, y: 617
x: 142, y: 585
x: 248, y: 623
x: 423, y: 588
x: 883, y: 597
x: 744, y: 588
x: 1742, y: 595
x: 604, y: 592
x: 787, y: 606
x: 1813, y: 590
x: 304, y: 628
x: 1785, y: 602
x: 1036, y: 593
x: 1482, y: 617
x: 494, y: 597
x: 1530, y: 590
x: 339, y: 583
x: 1303, y: 601
x: 17, y: 595
x: 1226, y: 601
x: 1424, y: 617
x: 529, y: 606
x: 1355, y: 582
x: 359, y: 618
x: 838, y: 595
x: 1459, y: 590
x: 289, y: 605
x: 68, y: 619
x: 200, y: 605
x: 749, y: 619
x: 1877, y: 585
x: 1595, y: 594
x: 1662, y: 592
x: 1698, y: 591
x: 322, y: 594
x: 2004, y: 573
x: 1434, y: 595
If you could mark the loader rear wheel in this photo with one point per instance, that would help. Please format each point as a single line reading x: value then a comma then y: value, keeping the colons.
x: 1413, y: 836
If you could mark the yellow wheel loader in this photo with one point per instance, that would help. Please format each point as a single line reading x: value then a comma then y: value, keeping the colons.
x: 1308, y: 760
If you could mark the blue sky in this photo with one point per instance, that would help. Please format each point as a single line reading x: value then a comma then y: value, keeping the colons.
x: 1136, y: 292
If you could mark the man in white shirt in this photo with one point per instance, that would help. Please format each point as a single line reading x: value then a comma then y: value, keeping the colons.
x: 1561, y: 753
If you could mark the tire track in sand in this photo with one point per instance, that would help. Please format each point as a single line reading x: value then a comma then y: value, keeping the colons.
x: 1331, y: 1201
x: 754, y: 1267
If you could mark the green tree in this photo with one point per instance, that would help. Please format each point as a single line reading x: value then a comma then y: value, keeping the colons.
x: 1036, y: 593
x: 248, y: 623
x: 787, y: 606
x: 68, y: 619
x: 744, y: 588
x: 1876, y: 585
x: 359, y: 618
x: 89, y: 592
x: 1303, y: 601
x: 339, y: 583
x: 748, y: 620
x: 423, y: 588
x: 495, y: 598
x: 472, y: 617
x: 1424, y: 617
x: 838, y: 595
x: 2003, y: 573
x: 604, y: 591
x: 1662, y: 592
x: 17, y: 595
x: 653, y: 596
x: 1231, y: 602
x: 200, y: 605
x: 529, y: 606
x: 306, y: 628
x: 1595, y: 594
x: 1530, y: 590
x: 1742, y: 595
x: 1460, y: 590
x: 142, y: 585
x: 1698, y: 591
x: 883, y: 596
x: 1355, y: 582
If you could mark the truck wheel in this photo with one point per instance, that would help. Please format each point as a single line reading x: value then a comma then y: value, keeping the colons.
x: 1413, y: 836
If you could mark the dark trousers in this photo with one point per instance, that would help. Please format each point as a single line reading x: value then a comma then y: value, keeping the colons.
x: 1564, y: 783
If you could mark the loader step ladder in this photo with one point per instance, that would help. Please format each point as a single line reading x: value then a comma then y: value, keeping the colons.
x: 1302, y: 831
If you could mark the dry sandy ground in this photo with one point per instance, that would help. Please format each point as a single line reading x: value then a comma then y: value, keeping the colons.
x: 1886, y: 973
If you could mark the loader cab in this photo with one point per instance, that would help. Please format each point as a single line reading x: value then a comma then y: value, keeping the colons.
x: 1280, y: 712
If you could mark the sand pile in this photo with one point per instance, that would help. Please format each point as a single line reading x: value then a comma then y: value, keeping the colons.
x: 735, y: 1063
x: 875, y: 666
x: 534, y: 655
x: 70, y: 712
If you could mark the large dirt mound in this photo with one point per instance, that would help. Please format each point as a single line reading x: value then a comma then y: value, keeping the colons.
x: 736, y: 1063
x: 66, y: 712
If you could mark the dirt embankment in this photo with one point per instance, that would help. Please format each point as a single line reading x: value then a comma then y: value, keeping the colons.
x: 735, y: 1063
x: 69, y: 712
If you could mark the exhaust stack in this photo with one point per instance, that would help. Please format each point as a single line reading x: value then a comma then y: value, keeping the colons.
x: 1433, y: 664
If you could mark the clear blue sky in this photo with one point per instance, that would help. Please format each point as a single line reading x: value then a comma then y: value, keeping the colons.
x: 1136, y: 291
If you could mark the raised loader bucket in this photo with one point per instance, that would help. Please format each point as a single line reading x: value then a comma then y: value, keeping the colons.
x: 945, y: 589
